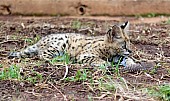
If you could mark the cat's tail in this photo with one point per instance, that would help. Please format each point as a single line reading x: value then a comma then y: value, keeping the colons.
x: 30, y: 51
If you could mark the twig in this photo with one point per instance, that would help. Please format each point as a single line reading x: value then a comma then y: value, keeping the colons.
x: 66, y: 72
x: 102, y: 96
x: 35, y: 94
x: 116, y: 95
x: 64, y: 96
x: 136, y: 97
x: 135, y: 31
x: 23, y: 26
x: 9, y: 41
x: 50, y: 75
x: 148, y: 75
x: 125, y: 82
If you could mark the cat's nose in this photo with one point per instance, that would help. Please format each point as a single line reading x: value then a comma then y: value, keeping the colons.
x: 127, y: 52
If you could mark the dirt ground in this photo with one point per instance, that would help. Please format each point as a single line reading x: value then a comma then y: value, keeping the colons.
x: 150, y: 40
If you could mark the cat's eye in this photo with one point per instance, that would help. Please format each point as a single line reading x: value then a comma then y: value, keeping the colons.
x: 118, y: 37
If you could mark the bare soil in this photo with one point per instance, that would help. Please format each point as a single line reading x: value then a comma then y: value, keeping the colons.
x: 150, y: 42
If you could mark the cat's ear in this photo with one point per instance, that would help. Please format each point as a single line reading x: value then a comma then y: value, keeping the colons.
x: 125, y: 26
x: 113, y: 32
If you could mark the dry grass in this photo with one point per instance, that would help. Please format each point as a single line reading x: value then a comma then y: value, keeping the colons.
x: 42, y: 80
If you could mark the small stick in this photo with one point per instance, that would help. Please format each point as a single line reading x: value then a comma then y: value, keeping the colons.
x: 66, y: 72
x: 64, y: 96
x: 9, y: 41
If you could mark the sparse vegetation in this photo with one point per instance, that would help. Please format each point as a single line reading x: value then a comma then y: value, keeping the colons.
x: 106, y: 84
x: 76, y: 24
x: 29, y: 40
x: 161, y: 92
x: 150, y: 15
x: 81, y: 76
x: 168, y: 21
x: 13, y: 72
x: 1, y: 65
x: 35, y: 77
x: 82, y: 82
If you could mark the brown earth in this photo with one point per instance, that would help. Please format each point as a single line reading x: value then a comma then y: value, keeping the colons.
x: 150, y: 42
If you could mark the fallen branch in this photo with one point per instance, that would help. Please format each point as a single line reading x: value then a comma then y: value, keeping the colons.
x: 64, y: 96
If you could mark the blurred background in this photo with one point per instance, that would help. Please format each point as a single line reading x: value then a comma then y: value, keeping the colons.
x: 85, y: 7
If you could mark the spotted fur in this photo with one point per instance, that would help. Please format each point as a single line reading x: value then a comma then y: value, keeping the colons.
x: 138, y: 67
x: 93, y: 50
